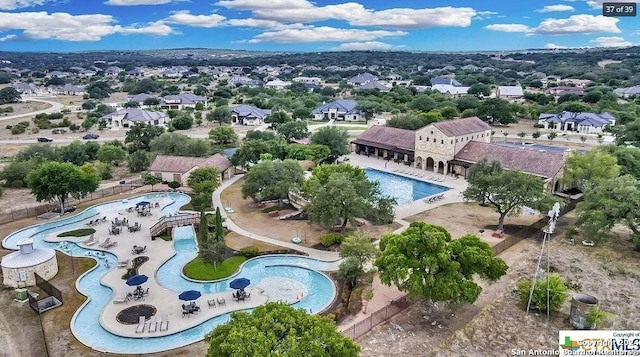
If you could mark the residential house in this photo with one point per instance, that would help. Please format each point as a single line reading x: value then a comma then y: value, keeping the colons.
x: 449, y: 90
x: 113, y: 71
x: 124, y: 118
x: 470, y: 67
x: 140, y: 98
x: 445, y: 80
x: 57, y: 74
x: 514, y: 93
x: 341, y: 110
x: 178, y: 168
x: 136, y: 72
x: 386, y: 142
x: 67, y: 89
x: 237, y: 81
x: 314, y: 80
x: 361, y: 79
x: 559, y: 91
x: 627, y: 92
x: 27, y: 88
x: 249, y: 115
x: 277, y: 84
x: 374, y: 85
x: 182, y: 101
x: 584, y: 123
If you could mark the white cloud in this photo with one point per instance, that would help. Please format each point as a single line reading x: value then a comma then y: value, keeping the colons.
x: 18, y: 4
x: 323, y: 34
x: 363, y: 46
x: 483, y: 15
x: 67, y: 27
x: 613, y: 41
x: 139, y: 2
x: 556, y: 8
x: 269, y: 24
x: 295, y: 11
x: 572, y: 25
x: 186, y: 18
x: 553, y: 46
x: 8, y: 38
x: 597, y: 4
x: 509, y: 28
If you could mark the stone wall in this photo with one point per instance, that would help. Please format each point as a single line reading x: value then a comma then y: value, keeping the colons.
x: 46, y: 270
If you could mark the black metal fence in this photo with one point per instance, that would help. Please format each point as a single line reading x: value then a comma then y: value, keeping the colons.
x: 376, y: 318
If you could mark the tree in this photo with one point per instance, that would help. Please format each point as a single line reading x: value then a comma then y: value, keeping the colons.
x: 171, y: 144
x: 628, y: 159
x: 203, y: 228
x: 301, y: 113
x: 111, y: 154
x: 182, y: 122
x: 9, y: 95
x: 522, y: 134
x: 140, y: 135
x: 174, y: 185
x: 277, y: 329
x: 204, y: 180
x: 259, y: 135
x: 480, y: 172
x: 587, y: 169
x: 335, y: 138
x: 219, y: 234
x: 131, y: 105
x: 350, y: 270
x: 480, y: 89
x: 270, y: 180
x: 360, y: 247
x: 60, y: 180
x: 424, y: 261
x: 277, y: 118
x: 14, y: 174
x: 138, y: 161
x: 536, y: 134
x: 507, y: 191
x: 213, y: 252
x: 496, y: 109
x: 422, y: 103
x: 219, y: 115
x: 608, y: 203
x: 293, y: 130
x: 148, y: 179
x: 224, y: 136
x: 552, y: 135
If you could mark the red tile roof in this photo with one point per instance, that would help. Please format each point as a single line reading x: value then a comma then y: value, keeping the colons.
x: 388, y: 138
x: 182, y: 164
x: 462, y: 126
x: 539, y: 163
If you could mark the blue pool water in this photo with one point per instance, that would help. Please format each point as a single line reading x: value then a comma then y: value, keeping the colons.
x: 404, y: 189
x: 85, y: 321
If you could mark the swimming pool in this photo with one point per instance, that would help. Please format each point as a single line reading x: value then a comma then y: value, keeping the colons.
x: 404, y: 189
x: 86, y: 321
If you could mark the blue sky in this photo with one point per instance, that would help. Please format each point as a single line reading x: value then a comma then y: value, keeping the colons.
x: 302, y: 25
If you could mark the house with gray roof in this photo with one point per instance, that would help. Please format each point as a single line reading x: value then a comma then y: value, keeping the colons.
x: 449, y: 90
x: 514, y: 93
x: 238, y: 81
x: 583, y: 123
x: 361, y: 79
x: 113, y: 71
x: 341, y: 110
x: 178, y: 168
x: 445, y: 80
x: 140, y: 98
x: 27, y: 88
x: 124, y: 118
x: 627, y: 92
x: 248, y: 114
x: 374, y: 85
x: 182, y: 101
x: 67, y: 89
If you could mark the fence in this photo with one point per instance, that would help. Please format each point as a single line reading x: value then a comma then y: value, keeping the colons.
x: 45, y: 303
x: 14, y: 215
x: 376, y: 318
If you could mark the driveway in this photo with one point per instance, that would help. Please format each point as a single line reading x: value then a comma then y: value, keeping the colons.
x: 55, y: 107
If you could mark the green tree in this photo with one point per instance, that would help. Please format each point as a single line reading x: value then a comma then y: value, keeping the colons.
x: 301, y: 113
x: 60, y: 180
x: 148, y: 179
x: 480, y: 172
x: 219, y: 234
x: 171, y: 144
x: 138, y: 161
x: 9, y: 95
x: 277, y: 329
x: 422, y: 103
x: 360, y: 247
x: 204, y: 180
x: 182, y: 122
x: 203, y: 228
x: 219, y: 115
x: 555, y: 296
x: 507, y: 192
x: 224, y: 136
x: 111, y: 154
x: 349, y: 271
x: 293, y: 130
x: 213, y: 252
x: 15, y: 174
x: 480, y: 89
x: 424, y: 261
x: 140, y: 135
x: 270, y: 180
x: 174, y: 185
x: 536, y: 134
x: 496, y: 109
x: 277, y: 118
x: 259, y: 135
x: 628, y: 158
x: 552, y: 135
x: 333, y: 137
x: 105, y: 171
x: 587, y: 169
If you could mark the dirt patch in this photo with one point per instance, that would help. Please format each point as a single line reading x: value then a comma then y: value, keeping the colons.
x: 237, y: 241
x: 251, y: 217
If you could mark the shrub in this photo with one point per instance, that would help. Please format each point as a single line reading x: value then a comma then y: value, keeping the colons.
x: 8, y: 127
x: 330, y: 239
x: 249, y: 252
x: 17, y: 130
x: 557, y: 293
x: 35, y: 130
x: 538, y: 126
x: 8, y: 109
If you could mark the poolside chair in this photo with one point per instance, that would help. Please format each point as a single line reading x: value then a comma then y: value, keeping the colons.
x: 123, y: 263
x: 211, y: 303
x: 221, y: 301
x: 164, y: 323
x: 153, y: 324
x: 105, y: 243
x: 121, y: 299
x: 111, y: 245
x: 142, y: 323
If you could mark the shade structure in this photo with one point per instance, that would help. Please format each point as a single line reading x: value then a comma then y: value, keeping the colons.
x: 189, y: 295
x: 239, y: 283
x: 143, y: 203
x: 137, y: 280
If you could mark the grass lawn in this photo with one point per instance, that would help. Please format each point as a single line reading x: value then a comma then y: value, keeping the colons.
x: 78, y: 232
x: 199, y: 270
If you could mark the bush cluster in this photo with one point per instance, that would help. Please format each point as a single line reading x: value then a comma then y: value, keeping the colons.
x: 249, y: 252
x: 330, y: 239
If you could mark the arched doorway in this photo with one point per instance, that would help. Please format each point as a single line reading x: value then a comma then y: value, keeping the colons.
x: 440, y: 167
x: 419, y: 163
x: 429, y: 164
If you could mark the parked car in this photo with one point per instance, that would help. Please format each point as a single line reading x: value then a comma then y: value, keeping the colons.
x: 44, y: 140
x: 90, y: 136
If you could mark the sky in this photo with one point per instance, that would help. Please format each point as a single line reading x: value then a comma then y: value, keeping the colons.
x: 302, y: 25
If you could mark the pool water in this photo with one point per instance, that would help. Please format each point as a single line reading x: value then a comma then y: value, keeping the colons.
x: 404, y: 189
x: 86, y: 321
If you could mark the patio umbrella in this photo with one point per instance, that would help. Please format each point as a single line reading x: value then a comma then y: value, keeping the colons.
x: 189, y: 295
x: 240, y: 283
x: 143, y: 203
x: 137, y: 280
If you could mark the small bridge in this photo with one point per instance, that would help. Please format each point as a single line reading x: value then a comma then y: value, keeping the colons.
x: 166, y: 223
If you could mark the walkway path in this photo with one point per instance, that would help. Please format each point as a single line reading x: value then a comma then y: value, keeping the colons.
x: 313, y: 253
x: 55, y: 107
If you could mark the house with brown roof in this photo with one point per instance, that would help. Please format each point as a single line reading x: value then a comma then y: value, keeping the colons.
x: 178, y: 168
x: 386, y: 142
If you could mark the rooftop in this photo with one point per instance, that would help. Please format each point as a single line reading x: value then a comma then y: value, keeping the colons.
x: 462, y: 126
x: 183, y: 164
x: 388, y: 137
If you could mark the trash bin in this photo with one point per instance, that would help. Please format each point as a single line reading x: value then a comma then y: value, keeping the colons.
x: 21, y: 294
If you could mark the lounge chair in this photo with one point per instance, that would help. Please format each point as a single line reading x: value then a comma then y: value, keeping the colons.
x: 211, y: 302
x: 164, y: 323
x: 123, y: 263
x: 105, y: 243
x: 142, y: 323
x: 221, y: 301
x: 111, y: 245
x: 121, y: 299
x: 153, y: 324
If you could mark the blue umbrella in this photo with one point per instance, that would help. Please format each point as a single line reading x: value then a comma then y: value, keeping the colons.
x: 143, y: 203
x: 239, y: 283
x: 137, y: 280
x: 189, y: 295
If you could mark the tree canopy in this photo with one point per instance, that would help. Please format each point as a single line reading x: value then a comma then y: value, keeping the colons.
x: 272, y: 179
x: 586, y: 169
x: 277, y: 329
x: 335, y: 138
x: 60, y: 180
x: 140, y: 135
x: 293, y: 130
x: 424, y: 261
x: 224, y: 136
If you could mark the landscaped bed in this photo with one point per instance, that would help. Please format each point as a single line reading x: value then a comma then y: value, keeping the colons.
x: 200, y: 270
x: 78, y: 232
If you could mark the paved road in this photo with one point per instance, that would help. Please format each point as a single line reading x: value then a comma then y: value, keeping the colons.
x: 55, y: 107
x: 69, y: 139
